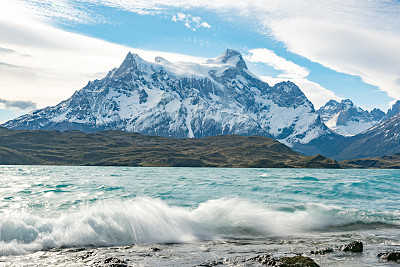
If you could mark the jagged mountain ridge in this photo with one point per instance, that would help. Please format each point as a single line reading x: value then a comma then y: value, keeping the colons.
x: 394, y: 110
x: 347, y: 119
x: 182, y: 99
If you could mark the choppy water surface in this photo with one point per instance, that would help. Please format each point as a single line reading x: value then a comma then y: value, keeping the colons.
x: 78, y: 216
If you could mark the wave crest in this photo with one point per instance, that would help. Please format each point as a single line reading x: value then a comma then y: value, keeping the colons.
x: 149, y: 221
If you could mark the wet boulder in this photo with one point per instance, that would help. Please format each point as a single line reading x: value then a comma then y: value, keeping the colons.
x: 322, y: 251
x: 296, y: 261
x: 390, y: 256
x: 355, y: 246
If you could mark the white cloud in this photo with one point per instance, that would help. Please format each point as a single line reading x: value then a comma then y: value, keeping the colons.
x: 317, y: 94
x: 290, y: 69
x: 374, y: 56
x: 191, y: 22
x: 18, y: 104
x: 205, y: 25
x: 358, y: 37
x: 36, y: 57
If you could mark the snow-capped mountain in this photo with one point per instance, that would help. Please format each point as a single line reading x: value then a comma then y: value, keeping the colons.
x: 220, y: 96
x: 347, y: 119
x: 382, y: 139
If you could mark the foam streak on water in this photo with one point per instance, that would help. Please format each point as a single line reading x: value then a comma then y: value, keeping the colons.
x: 47, y: 208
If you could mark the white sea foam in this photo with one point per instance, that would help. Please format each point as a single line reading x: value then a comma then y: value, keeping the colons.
x: 149, y: 221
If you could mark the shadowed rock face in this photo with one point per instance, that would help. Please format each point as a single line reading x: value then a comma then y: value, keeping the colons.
x: 181, y: 100
x: 378, y: 141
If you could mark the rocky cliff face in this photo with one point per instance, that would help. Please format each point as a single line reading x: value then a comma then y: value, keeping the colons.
x: 347, y: 119
x: 220, y: 96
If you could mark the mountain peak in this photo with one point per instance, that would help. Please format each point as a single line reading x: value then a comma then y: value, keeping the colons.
x: 184, y: 99
x: 131, y: 57
x: 347, y: 102
x: 230, y: 57
x: 394, y: 110
x: 159, y: 59
x: 131, y: 61
x: 344, y: 104
x: 229, y: 53
x: 346, y: 118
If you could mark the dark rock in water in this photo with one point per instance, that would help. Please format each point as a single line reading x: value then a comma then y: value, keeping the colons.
x: 296, y: 261
x: 322, y: 251
x: 390, y: 256
x: 211, y: 264
x: 224, y: 261
x: 155, y: 249
x: 355, y: 246
x: 264, y: 259
x: 87, y: 254
x: 111, y: 262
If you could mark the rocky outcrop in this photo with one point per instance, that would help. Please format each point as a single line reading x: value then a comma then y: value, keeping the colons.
x: 390, y: 256
x: 355, y: 246
x: 322, y: 251
x: 111, y: 262
x: 295, y: 261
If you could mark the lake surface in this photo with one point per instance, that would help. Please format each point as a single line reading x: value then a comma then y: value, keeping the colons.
x: 79, y: 216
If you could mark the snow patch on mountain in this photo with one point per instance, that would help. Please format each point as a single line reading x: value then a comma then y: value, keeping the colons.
x: 347, y: 119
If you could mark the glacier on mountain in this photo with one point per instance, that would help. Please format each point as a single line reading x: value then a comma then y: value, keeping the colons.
x: 220, y: 96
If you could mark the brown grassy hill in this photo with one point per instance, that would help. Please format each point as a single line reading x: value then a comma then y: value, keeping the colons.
x: 384, y: 162
x: 118, y: 148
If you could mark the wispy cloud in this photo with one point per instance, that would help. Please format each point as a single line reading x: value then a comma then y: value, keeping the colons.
x: 290, y: 69
x: 3, y: 64
x: 191, y: 22
x: 61, y: 10
x: 19, y: 104
x: 6, y: 50
x: 357, y: 37
x: 293, y: 72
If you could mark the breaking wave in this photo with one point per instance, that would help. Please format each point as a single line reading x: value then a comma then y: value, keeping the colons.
x: 150, y: 221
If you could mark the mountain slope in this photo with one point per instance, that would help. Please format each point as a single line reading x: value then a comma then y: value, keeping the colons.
x: 382, y: 139
x: 119, y: 148
x: 183, y: 99
x: 347, y: 119
x: 384, y: 162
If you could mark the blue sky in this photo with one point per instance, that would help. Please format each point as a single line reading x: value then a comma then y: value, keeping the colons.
x: 330, y: 49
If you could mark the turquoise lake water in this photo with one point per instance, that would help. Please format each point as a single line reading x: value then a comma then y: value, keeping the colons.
x: 52, y: 215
